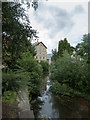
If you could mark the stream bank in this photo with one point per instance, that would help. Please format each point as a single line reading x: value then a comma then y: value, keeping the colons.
x: 49, y: 105
x: 23, y: 104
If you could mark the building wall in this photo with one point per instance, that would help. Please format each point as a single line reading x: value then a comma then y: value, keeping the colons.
x: 41, y: 52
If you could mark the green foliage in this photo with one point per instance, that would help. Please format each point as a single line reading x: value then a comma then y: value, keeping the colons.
x: 64, y: 89
x: 82, y: 48
x: 45, y: 66
x: 18, y: 52
x: 34, y: 84
x: 64, y: 45
x: 9, y: 97
x: 27, y: 73
x: 54, y: 55
x: 57, y: 88
x: 16, y: 33
x: 14, y: 80
x: 72, y: 72
x: 29, y: 64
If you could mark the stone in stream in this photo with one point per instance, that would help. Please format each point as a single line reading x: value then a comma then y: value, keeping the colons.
x: 45, y: 117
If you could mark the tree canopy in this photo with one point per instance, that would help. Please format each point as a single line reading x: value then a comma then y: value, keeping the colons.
x: 16, y: 32
x: 71, y: 74
x: 82, y: 48
x: 63, y: 45
x: 54, y: 55
x: 21, y: 69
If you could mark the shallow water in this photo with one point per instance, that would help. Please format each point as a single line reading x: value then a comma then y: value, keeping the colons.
x: 52, y: 106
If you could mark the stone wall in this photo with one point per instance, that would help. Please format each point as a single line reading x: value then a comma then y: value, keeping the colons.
x: 23, y: 104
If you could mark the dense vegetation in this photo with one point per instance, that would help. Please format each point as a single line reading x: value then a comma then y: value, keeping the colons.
x: 70, y: 74
x: 45, y: 66
x: 83, y: 48
x: 29, y: 65
x: 62, y: 46
x: 20, y: 69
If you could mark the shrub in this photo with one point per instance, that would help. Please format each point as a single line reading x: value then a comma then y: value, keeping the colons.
x: 29, y: 64
x: 14, y: 80
x: 57, y: 88
x: 9, y: 97
x: 34, y: 84
x: 71, y: 72
x: 45, y: 66
x: 63, y: 89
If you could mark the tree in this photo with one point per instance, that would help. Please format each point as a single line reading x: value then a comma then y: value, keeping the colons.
x: 71, y: 72
x: 82, y: 48
x: 45, y: 66
x: 21, y: 69
x: 16, y: 32
x: 64, y: 45
x: 29, y: 65
x: 54, y: 55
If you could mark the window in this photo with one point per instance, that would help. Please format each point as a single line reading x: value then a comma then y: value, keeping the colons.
x: 36, y: 57
x: 40, y: 57
x: 43, y: 57
x: 40, y: 53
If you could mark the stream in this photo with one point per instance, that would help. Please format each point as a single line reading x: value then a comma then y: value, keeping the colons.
x: 54, y: 106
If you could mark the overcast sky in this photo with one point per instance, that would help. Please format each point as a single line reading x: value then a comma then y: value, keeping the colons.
x: 58, y: 20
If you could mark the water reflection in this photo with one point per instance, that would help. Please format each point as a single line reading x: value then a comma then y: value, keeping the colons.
x: 61, y: 106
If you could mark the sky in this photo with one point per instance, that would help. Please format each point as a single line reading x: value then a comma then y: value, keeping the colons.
x: 55, y: 20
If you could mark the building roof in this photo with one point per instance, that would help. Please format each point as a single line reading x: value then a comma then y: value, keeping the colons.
x: 49, y: 56
x: 37, y: 43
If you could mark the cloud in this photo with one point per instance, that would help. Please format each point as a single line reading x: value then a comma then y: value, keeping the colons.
x: 78, y: 9
x: 55, y: 21
x: 53, y: 18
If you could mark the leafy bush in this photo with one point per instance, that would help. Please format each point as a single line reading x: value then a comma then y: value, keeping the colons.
x: 34, y: 84
x: 27, y: 73
x: 63, y: 89
x: 29, y: 64
x: 14, y: 80
x: 9, y: 97
x: 57, y: 88
x: 45, y: 66
x: 71, y: 72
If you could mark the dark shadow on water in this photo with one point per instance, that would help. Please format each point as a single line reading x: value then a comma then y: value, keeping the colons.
x: 52, y: 106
